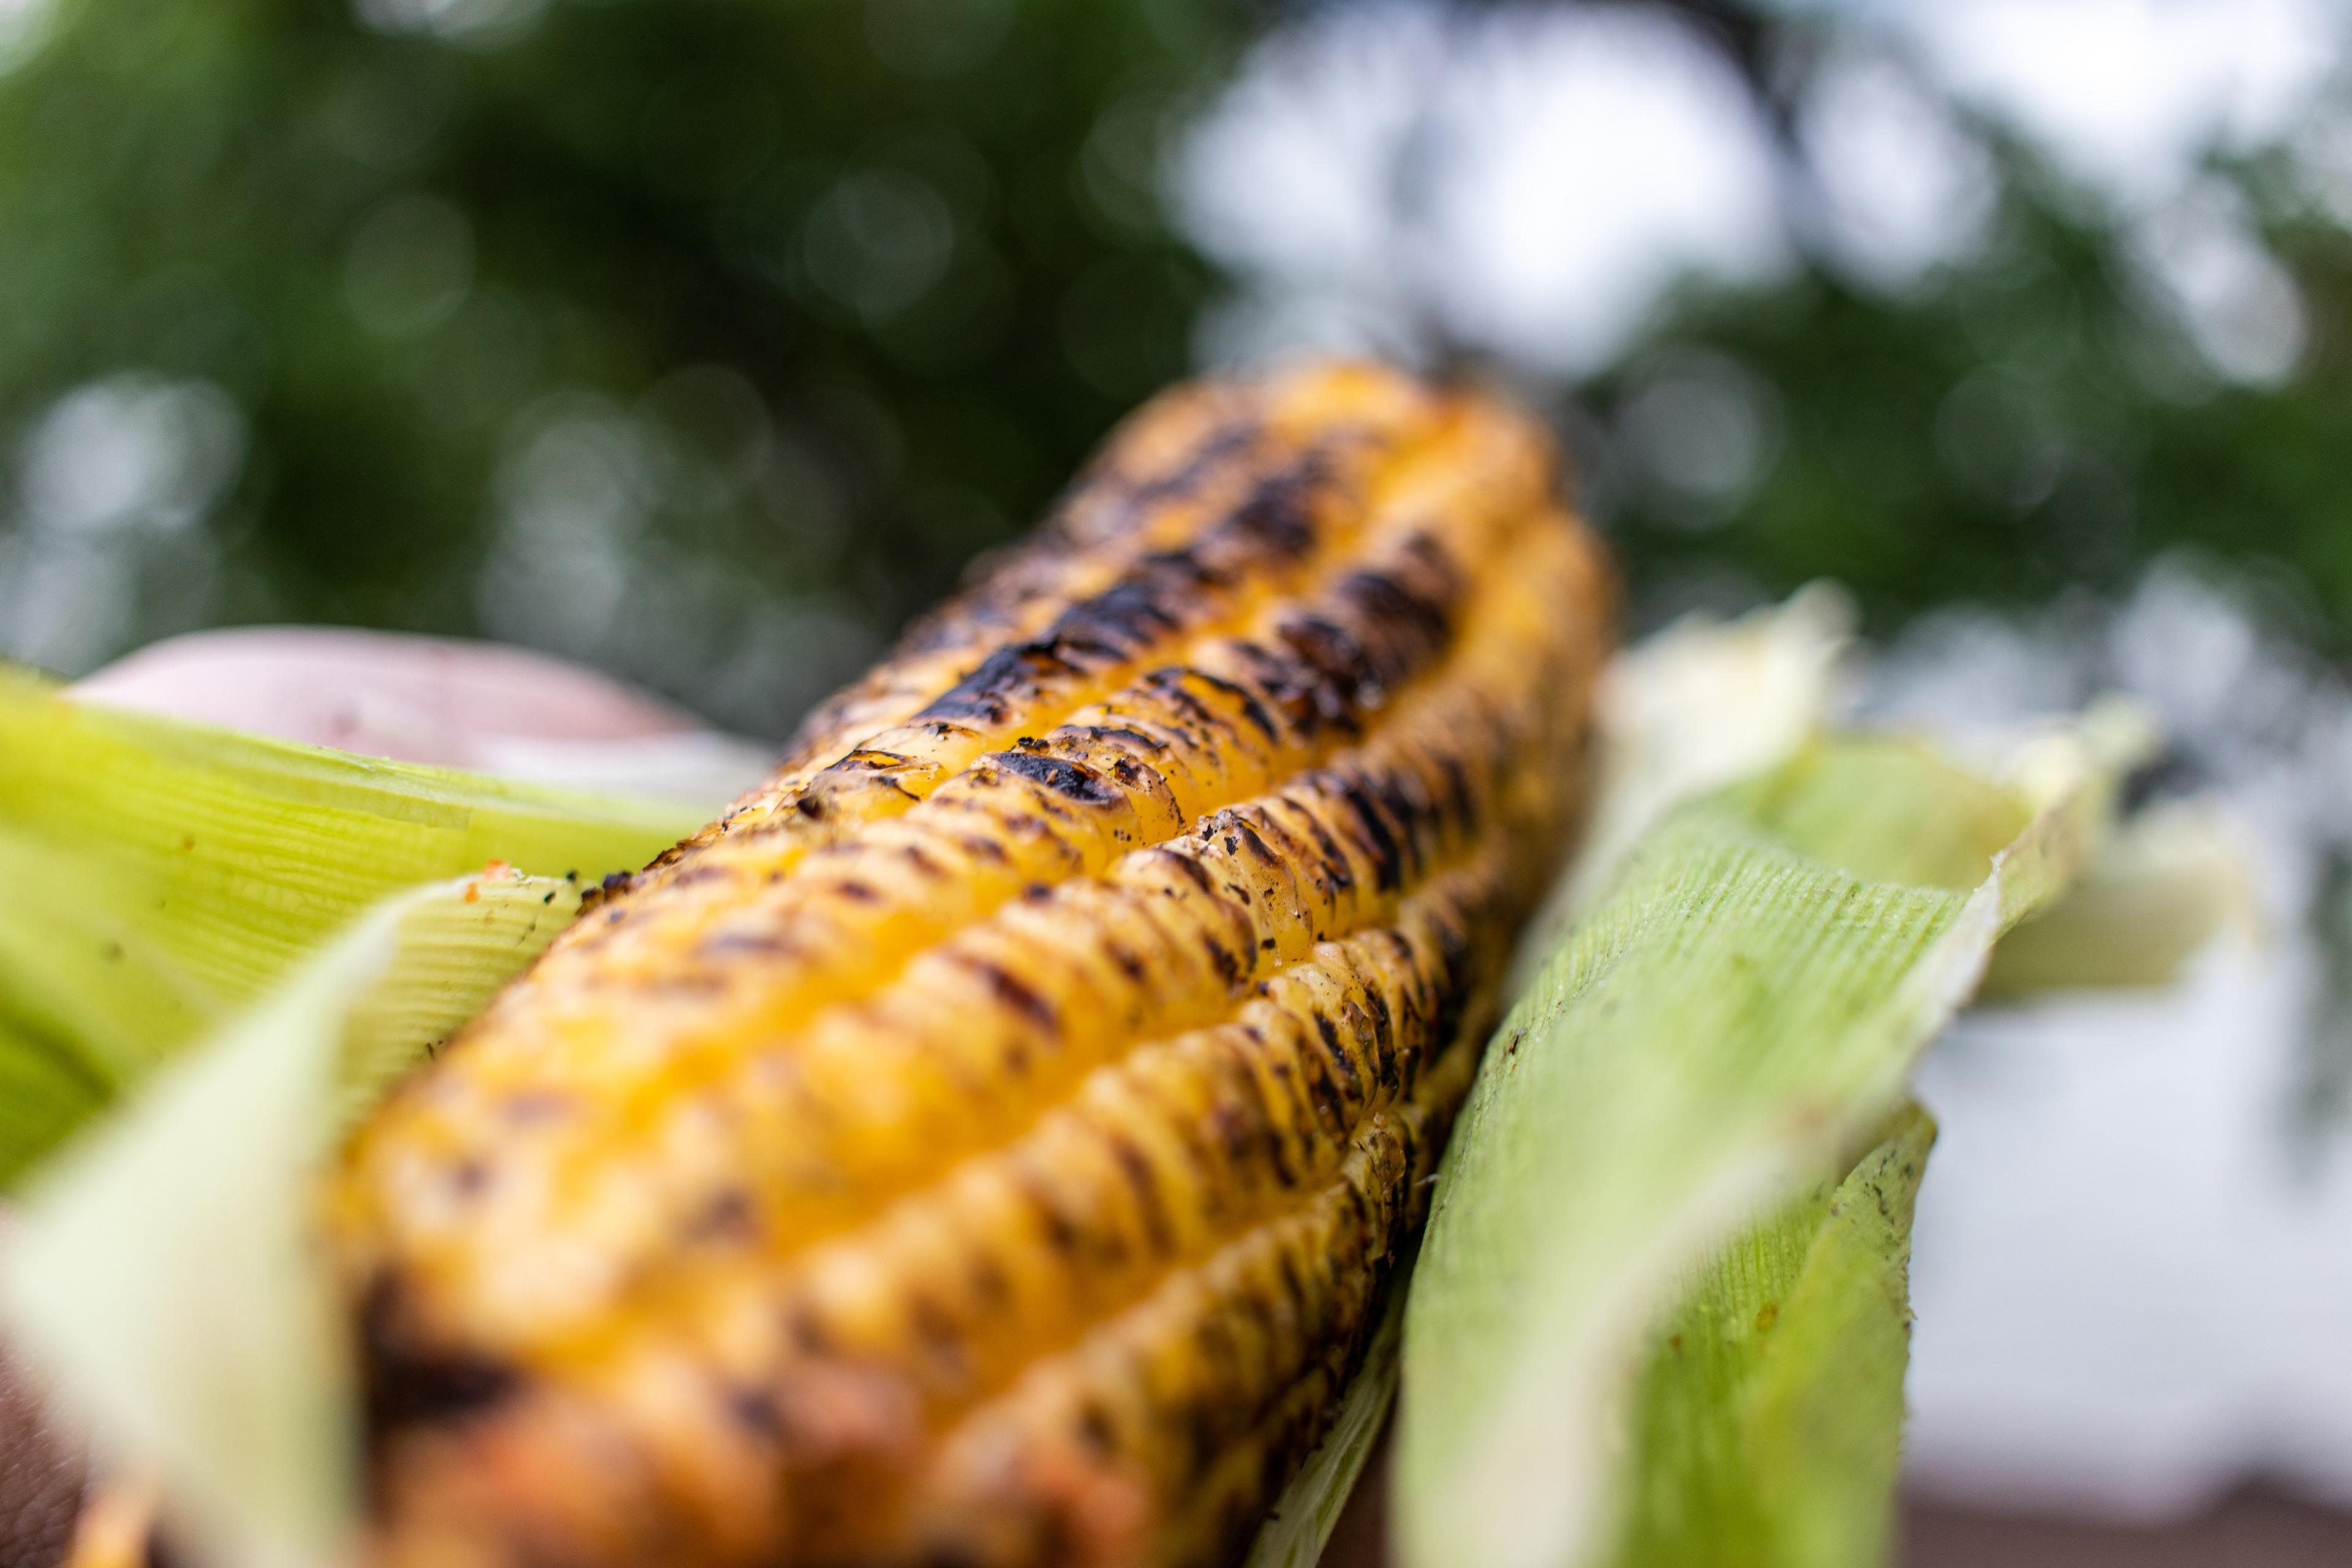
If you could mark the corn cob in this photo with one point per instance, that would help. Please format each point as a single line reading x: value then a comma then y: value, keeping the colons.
x: 987, y: 1143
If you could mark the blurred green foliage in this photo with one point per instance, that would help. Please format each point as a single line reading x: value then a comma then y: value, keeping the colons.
x: 706, y: 340
x: 2031, y: 421
x: 701, y: 338
x: 2028, y: 426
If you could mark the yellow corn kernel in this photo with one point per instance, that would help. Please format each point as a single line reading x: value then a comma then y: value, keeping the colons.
x: 989, y: 1142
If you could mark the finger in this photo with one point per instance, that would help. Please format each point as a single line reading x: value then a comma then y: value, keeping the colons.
x: 431, y: 700
x: 418, y: 698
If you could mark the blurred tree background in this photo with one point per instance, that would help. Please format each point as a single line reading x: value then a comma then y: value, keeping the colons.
x: 2046, y: 415
x: 703, y: 340
x: 706, y: 340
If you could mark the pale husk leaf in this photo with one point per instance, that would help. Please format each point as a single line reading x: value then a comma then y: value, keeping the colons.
x: 163, y: 874
x: 1742, y: 1004
x: 160, y: 1276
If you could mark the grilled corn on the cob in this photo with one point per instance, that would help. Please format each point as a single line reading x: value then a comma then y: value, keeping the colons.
x: 986, y: 1143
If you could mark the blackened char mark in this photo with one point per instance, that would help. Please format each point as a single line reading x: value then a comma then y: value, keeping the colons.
x: 1224, y: 442
x: 1330, y: 858
x: 1113, y: 626
x: 1278, y: 518
x: 1342, y: 1060
x: 1161, y: 595
x: 406, y: 1386
x: 1335, y: 678
x: 1376, y: 832
x: 1158, y: 598
x: 1331, y: 662
x: 1004, y: 680
x: 867, y: 759
x: 1191, y: 868
x: 1245, y: 699
x: 612, y: 886
x: 1381, y: 628
x: 1110, y: 483
x: 1455, y: 952
x: 1324, y: 1095
x: 1243, y: 831
x: 1187, y: 714
x: 1417, y: 815
x: 1143, y: 1182
x: 1125, y: 736
x: 1383, y: 1040
x: 1072, y: 781
x: 1000, y: 584
x: 864, y: 769
x: 1107, y: 500
x: 1461, y: 805
x: 1017, y: 996
x: 1403, y: 619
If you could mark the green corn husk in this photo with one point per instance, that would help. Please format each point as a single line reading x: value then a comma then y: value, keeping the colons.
x: 1693, y: 709
x: 2165, y: 884
x: 1807, y: 1448
x: 160, y: 1271
x: 1768, y: 1422
x: 1743, y: 1002
x: 163, y: 874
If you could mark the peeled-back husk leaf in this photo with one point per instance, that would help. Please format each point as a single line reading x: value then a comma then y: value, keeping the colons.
x: 1767, y: 1428
x: 163, y: 874
x: 1698, y: 706
x: 2164, y: 885
x: 1743, y: 1002
x: 160, y: 1276
x: 1692, y: 709
x: 1768, y: 1425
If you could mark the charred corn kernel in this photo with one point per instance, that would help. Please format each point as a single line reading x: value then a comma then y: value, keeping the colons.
x: 987, y: 1143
